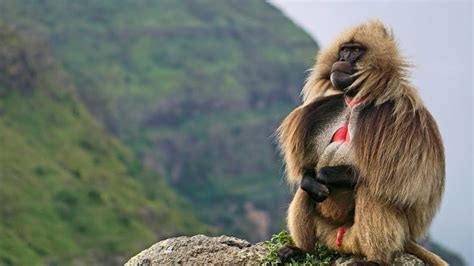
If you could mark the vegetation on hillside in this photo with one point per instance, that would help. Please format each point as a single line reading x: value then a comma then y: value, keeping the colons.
x: 195, y: 88
x: 69, y: 191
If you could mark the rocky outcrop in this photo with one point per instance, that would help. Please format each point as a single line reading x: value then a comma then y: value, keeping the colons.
x: 222, y: 250
x: 200, y: 249
x: 16, y: 69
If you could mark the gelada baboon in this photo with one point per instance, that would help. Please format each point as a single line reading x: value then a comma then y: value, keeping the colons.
x: 365, y: 153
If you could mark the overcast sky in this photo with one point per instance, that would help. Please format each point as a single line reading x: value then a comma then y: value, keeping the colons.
x: 437, y: 37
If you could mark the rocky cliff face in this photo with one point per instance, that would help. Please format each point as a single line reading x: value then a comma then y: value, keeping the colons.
x: 223, y: 250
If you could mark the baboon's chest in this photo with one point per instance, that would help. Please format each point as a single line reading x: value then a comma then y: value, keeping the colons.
x: 344, y: 125
x: 334, y: 148
x: 334, y: 143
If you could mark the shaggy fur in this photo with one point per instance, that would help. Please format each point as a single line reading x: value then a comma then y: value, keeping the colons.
x: 396, y: 149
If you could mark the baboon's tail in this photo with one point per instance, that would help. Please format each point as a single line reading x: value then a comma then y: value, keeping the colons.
x: 428, y: 257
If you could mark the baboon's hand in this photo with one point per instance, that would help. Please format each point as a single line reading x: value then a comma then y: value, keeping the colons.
x: 337, y: 176
x: 317, y: 191
x: 287, y: 253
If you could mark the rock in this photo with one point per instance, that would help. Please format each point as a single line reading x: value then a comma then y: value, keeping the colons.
x: 222, y: 250
x: 200, y: 249
x: 399, y: 260
x: 16, y: 67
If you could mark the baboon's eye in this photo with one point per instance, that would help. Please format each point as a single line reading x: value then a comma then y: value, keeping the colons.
x: 356, y: 49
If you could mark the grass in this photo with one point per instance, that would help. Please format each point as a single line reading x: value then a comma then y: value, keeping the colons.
x: 321, y: 256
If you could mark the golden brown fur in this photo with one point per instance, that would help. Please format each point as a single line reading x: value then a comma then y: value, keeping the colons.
x: 396, y: 150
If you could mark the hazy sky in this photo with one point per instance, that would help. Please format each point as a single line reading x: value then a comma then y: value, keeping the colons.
x: 437, y: 37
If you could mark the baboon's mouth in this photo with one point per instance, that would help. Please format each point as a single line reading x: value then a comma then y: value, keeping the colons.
x: 341, y: 71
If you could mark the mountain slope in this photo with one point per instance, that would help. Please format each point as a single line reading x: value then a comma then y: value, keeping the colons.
x: 195, y: 88
x: 69, y: 191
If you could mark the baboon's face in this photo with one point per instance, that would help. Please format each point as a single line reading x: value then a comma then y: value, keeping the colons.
x: 342, y: 71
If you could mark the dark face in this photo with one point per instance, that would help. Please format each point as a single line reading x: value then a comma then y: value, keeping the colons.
x: 342, y: 70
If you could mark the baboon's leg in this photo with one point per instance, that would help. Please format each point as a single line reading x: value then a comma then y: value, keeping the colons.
x: 379, y: 230
x: 301, y: 215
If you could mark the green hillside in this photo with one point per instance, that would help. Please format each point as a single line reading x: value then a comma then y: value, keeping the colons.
x: 195, y: 88
x: 70, y: 192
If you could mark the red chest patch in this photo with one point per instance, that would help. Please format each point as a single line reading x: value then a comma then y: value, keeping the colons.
x: 342, y: 134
